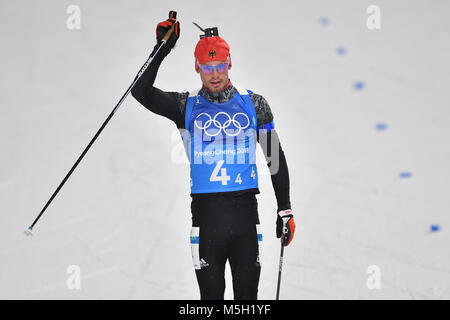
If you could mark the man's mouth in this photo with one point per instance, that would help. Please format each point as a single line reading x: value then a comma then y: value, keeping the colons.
x: 216, y: 83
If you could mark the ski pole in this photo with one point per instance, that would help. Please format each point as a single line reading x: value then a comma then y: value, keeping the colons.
x: 280, y: 267
x: 172, y: 14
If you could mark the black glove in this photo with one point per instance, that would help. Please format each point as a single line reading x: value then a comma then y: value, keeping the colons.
x: 161, y: 30
x: 285, y: 226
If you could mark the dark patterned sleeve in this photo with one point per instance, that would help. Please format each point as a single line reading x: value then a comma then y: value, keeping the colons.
x: 182, y: 100
x: 274, y: 154
x: 263, y: 113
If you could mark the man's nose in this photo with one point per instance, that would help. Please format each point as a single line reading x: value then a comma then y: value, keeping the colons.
x: 215, y: 73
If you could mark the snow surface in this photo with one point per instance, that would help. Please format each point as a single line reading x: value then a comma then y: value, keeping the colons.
x: 363, y: 116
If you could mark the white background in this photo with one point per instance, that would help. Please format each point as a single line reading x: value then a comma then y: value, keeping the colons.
x: 124, y: 215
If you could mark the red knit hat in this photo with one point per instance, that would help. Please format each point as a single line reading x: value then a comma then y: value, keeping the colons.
x: 211, y: 49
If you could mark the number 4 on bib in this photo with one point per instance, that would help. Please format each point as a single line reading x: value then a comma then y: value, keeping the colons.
x: 253, y: 174
x: 223, y: 174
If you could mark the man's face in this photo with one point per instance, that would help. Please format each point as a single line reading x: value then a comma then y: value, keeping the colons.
x: 214, y: 81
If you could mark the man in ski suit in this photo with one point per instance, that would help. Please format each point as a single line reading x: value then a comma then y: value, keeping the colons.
x: 220, y: 125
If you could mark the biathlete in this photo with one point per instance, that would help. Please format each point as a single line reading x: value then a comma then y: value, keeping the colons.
x: 220, y: 125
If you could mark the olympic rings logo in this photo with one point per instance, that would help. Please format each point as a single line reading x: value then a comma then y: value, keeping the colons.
x: 222, y: 127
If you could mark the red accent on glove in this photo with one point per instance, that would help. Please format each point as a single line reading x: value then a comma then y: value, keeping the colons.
x: 167, y: 24
x: 291, y: 227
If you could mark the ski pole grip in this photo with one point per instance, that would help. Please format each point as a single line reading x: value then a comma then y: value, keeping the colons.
x: 169, y: 33
x: 172, y: 15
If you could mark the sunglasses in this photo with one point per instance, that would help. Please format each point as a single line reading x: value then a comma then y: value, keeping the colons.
x: 208, y: 69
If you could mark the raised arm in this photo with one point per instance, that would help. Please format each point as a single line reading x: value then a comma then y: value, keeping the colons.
x: 160, y: 102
